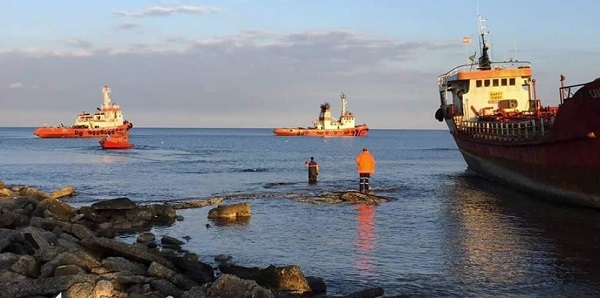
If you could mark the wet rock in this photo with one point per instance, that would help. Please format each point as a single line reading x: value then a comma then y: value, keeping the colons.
x: 68, y: 191
x: 317, y: 285
x: 145, y: 237
x: 223, y: 259
x: 171, y: 240
x: 190, y: 204
x: 164, y: 214
x: 230, y: 211
x: 114, y: 204
x: 367, y: 293
x: 106, y: 230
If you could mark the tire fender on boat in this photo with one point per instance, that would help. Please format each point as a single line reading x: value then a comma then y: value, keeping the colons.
x: 439, y: 115
x: 80, y: 133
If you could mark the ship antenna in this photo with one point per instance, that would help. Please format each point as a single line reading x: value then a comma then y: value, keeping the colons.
x: 484, y: 60
x: 106, y: 92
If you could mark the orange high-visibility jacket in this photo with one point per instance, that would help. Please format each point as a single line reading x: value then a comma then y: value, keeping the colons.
x: 365, y: 162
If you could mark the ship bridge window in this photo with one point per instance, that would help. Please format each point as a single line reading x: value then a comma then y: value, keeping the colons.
x: 486, y: 83
x: 504, y: 82
x: 512, y: 81
x: 478, y: 83
x: 495, y: 82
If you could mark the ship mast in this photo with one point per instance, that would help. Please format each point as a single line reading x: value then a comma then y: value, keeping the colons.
x: 106, y: 93
x: 343, y: 98
x: 484, y: 60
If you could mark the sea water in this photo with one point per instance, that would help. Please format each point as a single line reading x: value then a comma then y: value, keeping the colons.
x: 447, y: 232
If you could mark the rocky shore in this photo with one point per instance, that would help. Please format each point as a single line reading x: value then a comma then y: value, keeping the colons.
x: 49, y: 248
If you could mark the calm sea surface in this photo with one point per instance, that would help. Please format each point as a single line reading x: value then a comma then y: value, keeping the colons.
x: 446, y: 233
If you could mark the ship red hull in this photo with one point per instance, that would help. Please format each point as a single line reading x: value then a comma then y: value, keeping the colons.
x: 563, y: 165
x: 358, y: 131
x: 563, y: 171
x: 70, y: 132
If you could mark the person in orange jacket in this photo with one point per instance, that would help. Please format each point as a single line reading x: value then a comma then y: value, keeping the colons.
x: 366, y: 166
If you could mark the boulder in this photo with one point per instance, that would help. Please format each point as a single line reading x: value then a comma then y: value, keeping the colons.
x: 7, y: 236
x: 120, y: 264
x: 231, y: 286
x: 32, y: 192
x: 27, y: 265
x: 68, y: 191
x: 131, y: 252
x: 68, y: 270
x: 170, y: 240
x: 194, y: 269
x: 287, y: 278
x: 58, y: 210
x: 114, y: 204
x: 230, y: 211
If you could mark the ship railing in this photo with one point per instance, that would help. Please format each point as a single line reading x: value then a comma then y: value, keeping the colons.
x: 508, y: 131
x: 567, y: 92
x: 442, y: 79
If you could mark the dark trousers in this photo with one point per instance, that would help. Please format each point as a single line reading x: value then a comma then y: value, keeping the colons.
x: 364, y: 181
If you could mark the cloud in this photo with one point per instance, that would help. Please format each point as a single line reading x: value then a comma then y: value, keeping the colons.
x: 16, y: 85
x: 128, y: 26
x: 77, y: 43
x: 168, y: 11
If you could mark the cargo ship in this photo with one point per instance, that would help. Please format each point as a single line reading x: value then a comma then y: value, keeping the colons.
x: 107, y: 120
x: 327, y: 126
x: 505, y: 134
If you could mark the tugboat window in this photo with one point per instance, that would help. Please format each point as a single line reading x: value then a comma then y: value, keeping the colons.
x: 495, y: 82
x: 512, y: 81
x: 478, y: 83
x: 504, y: 82
x: 487, y: 83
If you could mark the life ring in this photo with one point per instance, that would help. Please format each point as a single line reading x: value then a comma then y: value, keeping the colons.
x: 130, y: 125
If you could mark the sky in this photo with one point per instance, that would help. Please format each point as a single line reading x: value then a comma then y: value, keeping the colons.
x: 266, y: 64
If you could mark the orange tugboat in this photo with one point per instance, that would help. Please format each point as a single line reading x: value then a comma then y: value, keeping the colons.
x: 108, y: 120
x: 119, y: 140
x: 505, y: 134
x: 328, y: 126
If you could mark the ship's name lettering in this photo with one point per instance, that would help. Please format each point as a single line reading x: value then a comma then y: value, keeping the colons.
x: 496, y: 95
x: 595, y: 93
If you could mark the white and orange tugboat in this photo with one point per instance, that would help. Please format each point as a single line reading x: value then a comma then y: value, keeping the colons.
x: 108, y: 120
x: 328, y: 126
x: 118, y: 140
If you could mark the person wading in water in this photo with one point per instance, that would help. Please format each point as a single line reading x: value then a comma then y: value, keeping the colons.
x: 313, y: 170
x: 366, y: 166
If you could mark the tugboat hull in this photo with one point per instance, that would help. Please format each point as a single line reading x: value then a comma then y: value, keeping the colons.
x: 358, y: 131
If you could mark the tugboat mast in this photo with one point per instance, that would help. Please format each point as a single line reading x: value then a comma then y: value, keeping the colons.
x: 106, y: 93
x: 484, y: 60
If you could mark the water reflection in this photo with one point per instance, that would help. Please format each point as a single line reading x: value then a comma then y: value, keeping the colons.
x: 235, y: 221
x: 365, y: 239
x: 503, y: 238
